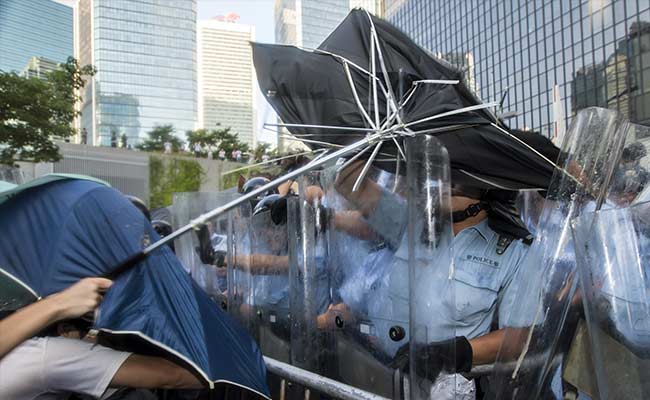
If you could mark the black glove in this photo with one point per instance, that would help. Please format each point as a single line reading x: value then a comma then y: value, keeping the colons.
x: 279, y: 211
x: 205, y: 250
x: 453, y: 355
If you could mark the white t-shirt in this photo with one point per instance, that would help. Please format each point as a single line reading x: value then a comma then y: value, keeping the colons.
x: 52, y: 368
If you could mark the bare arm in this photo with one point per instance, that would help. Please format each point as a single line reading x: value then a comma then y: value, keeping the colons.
x: 486, y: 347
x: 143, y: 372
x: 368, y: 194
x: 77, y: 300
x: 263, y: 264
x: 352, y: 223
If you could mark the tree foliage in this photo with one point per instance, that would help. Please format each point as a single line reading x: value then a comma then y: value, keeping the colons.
x: 215, y: 140
x: 260, y: 150
x: 160, y: 135
x: 33, y: 111
x: 172, y: 175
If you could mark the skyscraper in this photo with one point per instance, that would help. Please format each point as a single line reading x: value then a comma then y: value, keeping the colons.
x: 145, y: 55
x: 226, y: 78
x: 590, y: 52
x: 39, y: 67
x: 307, y: 23
x: 35, y: 28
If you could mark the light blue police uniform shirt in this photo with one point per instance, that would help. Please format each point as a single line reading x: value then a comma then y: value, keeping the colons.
x: 482, y: 279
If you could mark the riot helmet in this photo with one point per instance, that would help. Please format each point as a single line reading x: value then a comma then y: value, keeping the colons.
x: 266, y: 204
x: 136, y: 201
x: 255, y: 183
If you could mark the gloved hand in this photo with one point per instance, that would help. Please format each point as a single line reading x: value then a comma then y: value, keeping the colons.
x: 453, y: 355
x: 205, y: 250
x: 279, y: 214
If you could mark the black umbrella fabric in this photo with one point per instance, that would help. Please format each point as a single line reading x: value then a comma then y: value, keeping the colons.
x: 369, y: 77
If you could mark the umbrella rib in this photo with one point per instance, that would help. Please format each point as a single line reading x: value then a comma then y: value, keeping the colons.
x: 438, y: 81
x: 390, y: 97
x: 415, y: 85
x: 538, y: 153
x: 438, y: 130
x: 333, y: 127
x: 343, y: 59
x: 274, y: 160
x: 397, y: 171
x: 399, y: 148
x: 325, y: 134
x: 312, y: 141
x: 496, y: 185
x: 373, y: 70
x: 356, y: 95
x: 366, y: 167
x: 352, y: 159
x: 453, y: 112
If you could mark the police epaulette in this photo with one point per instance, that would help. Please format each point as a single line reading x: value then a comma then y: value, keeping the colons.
x: 503, y: 243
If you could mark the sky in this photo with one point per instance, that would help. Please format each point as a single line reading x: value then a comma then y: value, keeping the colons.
x: 259, y: 13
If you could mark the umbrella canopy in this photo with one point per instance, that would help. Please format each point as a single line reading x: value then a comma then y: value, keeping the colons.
x: 368, y: 76
x: 63, y: 230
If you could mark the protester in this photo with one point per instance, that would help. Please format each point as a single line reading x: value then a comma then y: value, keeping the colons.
x: 59, y: 366
x: 79, y: 299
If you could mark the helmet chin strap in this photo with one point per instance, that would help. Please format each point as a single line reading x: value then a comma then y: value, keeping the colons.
x: 471, y: 211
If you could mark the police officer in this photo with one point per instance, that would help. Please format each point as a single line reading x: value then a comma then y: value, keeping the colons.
x: 489, y: 245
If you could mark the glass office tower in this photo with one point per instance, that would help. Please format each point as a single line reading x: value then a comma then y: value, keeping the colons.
x: 550, y: 59
x: 34, y: 28
x: 145, y: 55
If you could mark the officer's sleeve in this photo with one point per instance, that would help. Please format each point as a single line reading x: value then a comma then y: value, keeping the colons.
x: 520, y: 296
x: 389, y: 218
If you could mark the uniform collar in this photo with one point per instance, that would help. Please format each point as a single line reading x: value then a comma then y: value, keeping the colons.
x: 482, y: 228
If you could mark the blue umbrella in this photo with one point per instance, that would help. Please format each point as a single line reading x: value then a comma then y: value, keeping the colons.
x: 62, y: 230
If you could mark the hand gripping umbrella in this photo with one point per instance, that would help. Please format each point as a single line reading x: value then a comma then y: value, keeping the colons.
x: 58, y: 230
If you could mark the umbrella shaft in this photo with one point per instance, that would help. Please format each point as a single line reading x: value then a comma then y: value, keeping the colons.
x: 278, y: 181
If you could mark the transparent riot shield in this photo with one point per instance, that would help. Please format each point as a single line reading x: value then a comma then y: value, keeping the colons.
x: 431, y: 275
x: 541, y: 324
x: 268, y: 306
x: 351, y: 279
x: 204, y: 251
x: 309, y: 272
x: 613, y: 251
x: 241, y: 290
x: 530, y: 204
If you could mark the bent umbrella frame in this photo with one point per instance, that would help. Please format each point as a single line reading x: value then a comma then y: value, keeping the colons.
x: 390, y: 128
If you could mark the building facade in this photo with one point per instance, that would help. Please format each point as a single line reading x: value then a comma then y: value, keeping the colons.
x: 145, y: 55
x: 306, y: 23
x: 39, y: 67
x: 226, y: 78
x: 34, y: 28
x: 549, y: 59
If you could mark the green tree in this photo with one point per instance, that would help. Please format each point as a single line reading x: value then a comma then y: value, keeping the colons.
x: 172, y: 175
x: 229, y: 141
x: 260, y: 150
x: 158, y: 136
x: 34, y: 111
x: 204, y: 138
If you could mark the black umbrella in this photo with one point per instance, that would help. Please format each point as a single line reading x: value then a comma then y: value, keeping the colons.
x: 369, y: 77
x: 367, y: 89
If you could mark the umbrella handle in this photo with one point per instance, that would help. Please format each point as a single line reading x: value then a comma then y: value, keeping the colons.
x: 125, y: 265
